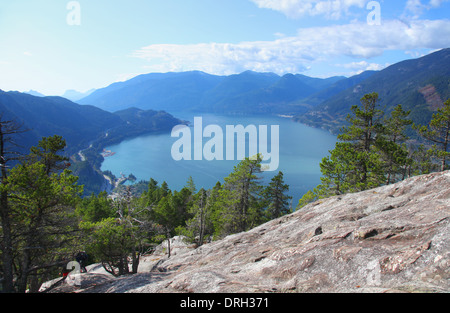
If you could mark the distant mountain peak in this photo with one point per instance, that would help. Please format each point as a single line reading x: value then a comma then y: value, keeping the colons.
x: 74, y: 95
x: 35, y: 93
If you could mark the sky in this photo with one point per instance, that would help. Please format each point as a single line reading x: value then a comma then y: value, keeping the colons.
x: 55, y: 45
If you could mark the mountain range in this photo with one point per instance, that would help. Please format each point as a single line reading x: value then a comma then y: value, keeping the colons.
x: 248, y: 92
x: 421, y: 85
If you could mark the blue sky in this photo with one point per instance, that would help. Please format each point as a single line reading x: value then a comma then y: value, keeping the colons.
x: 115, y: 40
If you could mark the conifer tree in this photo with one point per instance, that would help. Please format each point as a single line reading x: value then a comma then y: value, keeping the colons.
x: 392, y: 144
x: 165, y: 215
x: 438, y: 132
x: 41, y: 197
x: 8, y: 154
x: 240, y: 198
x: 362, y: 135
x: 354, y: 164
x: 201, y: 224
x: 275, y: 195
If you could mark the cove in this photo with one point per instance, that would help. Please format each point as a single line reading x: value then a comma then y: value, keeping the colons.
x: 301, y: 149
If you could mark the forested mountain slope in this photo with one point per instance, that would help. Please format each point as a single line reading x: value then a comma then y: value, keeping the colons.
x: 421, y: 85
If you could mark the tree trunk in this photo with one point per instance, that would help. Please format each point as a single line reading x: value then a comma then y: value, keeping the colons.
x: 135, y: 258
x: 445, y: 147
x: 7, y: 256
x: 168, y: 243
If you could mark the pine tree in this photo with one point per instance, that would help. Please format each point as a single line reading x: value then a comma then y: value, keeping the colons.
x: 362, y: 134
x: 240, y: 198
x: 95, y: 208
x: 355, y: 163
x: 191, y: 185
x: 165, y: 215
x: 392, y: 144
x: 201, y: 224
x: 8, y: 154
x: 48, y: 152
x: 438, y: 132
x: 278, y: 201
x: 41, y: 197
x: 339, y: 171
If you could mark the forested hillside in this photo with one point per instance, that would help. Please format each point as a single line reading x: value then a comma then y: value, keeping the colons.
x: 86, y: 129
x: 421, y: 85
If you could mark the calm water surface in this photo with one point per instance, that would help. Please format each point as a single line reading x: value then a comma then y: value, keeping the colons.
x: 301, y: 150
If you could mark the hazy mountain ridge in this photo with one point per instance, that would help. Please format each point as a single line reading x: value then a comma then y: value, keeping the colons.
x: 74, y: 95
x: 247, y: 92
x: 420, y: 85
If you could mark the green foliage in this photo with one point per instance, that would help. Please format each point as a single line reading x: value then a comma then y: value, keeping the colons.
x: 46, y: 152
x: 392, y: 144
x: 111, y: 241
x: 406, y: 82
x: 355, y: 164
x: 240, y: 199
x: 277, y: 201
x: 372, y: 151
x: 95, y: 208
x: 200, y: 225
x: 41, y: 198
x: 309, y: 197
x: 438, y: 132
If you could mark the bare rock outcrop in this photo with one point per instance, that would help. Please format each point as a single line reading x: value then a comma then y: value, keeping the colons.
x: 391, y: 239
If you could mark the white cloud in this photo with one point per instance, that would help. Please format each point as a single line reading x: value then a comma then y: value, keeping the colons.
x: 332, y: 9
x: 359, y: 67
x: 295, y: 54
x: 436, y: 3
x: 417, y: 7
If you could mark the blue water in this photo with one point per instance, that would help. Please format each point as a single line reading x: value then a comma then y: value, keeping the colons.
x: 301, y: 151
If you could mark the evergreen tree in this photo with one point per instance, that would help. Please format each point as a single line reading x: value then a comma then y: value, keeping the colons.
x: 392, y: 144
x: 166, y: 216
x: 355, y: 163
x: 163, y: 191
x: 278, y: 201
x: 42, y: 198
x: 240, y: 198
x: 151, y: 196
x: 95, y: 208
x: 438, y: 132
x: 362, y: 135
x: 422, y: 161
x: 201, y: 224
x: 110, y: 241
x: 191, y: 185
x: 8, y: 154
x: 48, y: 152
x: 339, y: 171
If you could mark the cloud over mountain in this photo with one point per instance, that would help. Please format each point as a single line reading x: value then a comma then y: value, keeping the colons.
x: 295, y: 54
x: 296, y: 9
